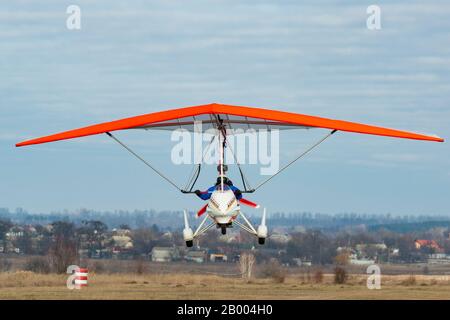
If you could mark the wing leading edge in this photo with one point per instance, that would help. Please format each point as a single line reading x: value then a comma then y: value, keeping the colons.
x: 278, y: 118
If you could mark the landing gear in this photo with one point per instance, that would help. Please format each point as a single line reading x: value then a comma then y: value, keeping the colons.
x: 261, y: 232
x: 262, y: 229
x: 189, y: 235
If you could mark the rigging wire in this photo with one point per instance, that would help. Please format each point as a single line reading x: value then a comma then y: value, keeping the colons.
x: 145, y: 162
x: 245, y: 181
x: 300, y: 156
x: 195, y: 174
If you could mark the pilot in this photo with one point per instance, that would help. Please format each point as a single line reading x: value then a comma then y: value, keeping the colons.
x: 205, y: 195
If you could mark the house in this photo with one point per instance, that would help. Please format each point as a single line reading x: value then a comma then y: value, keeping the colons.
x: 230, y: 237
x: 165, y: 254
x: 302, y: 262
x: 355, y: 257
x: 120, y: 244
x: 355, y: 260
x: 123, y: 242
x: 345, y: 250
x: 218, y: 257
x: 15, y: 233
x: 419, y: 243
x: 394, y: 252
x: 377, y: 246
x: 167, y: 235
x: 196, y: 256
x: 438, y: 258
x: 281, y: 238
x: 121, y: 232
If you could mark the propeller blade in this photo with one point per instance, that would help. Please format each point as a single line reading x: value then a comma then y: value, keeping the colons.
x: 202, y: 210
x: 249, y: 203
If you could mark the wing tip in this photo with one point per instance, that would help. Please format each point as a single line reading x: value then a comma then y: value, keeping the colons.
x: 435, y: 138
x: 26, y: 143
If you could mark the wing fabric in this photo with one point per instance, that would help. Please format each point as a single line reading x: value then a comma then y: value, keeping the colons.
x: 233, y: 117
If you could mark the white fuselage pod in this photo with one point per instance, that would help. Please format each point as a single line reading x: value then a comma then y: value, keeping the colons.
x: 223, y: 206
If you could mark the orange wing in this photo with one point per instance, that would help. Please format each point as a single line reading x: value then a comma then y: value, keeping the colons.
x: 234, y: 116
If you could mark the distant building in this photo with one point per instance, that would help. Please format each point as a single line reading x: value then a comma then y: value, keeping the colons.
x: 165, y: 254
x: 360, y: 261
x: 167, y: 235
x: 345, y: 249
x: 121, y: 232
x: 230, y: 237
x: 377, y: 246
x: 426, y: 244
x: 122, y: 242
x: 196, y: 256
x: 438, y: 258
x: 15, y: 233
x: 218, y: 257
x: 355, y: 257
x: 302, y: 262
x: 280, y: 237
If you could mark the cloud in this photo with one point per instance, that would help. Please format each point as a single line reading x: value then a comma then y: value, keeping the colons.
x: 137, y: 57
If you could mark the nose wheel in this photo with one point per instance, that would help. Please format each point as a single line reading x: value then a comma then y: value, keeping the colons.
x: 224, y: 229
x: 189, y: 243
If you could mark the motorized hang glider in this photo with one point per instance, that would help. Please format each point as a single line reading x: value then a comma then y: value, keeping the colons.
x: 223, y: 207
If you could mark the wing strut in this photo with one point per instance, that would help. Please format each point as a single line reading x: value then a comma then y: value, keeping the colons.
x: 300, y: 156
x: 145, y: 162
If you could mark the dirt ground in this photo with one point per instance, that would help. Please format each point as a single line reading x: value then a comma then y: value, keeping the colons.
x: 28, y: 285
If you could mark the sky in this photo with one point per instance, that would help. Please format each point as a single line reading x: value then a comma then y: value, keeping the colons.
x: 135, y: 57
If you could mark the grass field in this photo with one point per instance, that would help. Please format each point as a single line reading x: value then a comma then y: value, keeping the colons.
x: 28, y: 285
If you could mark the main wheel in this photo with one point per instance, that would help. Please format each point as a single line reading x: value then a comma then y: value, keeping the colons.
x: 189, y: 243
x: 261, y: 240
x: 224, y: 230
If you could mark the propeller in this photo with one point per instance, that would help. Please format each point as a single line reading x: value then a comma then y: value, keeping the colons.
x: 202, y: 210
x: 249, y: 203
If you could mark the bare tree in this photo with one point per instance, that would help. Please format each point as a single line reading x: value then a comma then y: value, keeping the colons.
x: 246, y: 263
x: 342, y: 258
x: 340, y: 273
x: 5, y: 225
x: 63, y: 251
x: 140, y: 266
x: 94, y: 233
x: 143, y: 240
